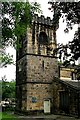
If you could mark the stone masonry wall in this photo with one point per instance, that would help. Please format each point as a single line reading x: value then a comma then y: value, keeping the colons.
x: 33, y: 96
x: 72, y: 96
x: 36, y: 94
x: 36, y: 66
x: 40, y: 72
x: 33, y: 44
x: 65, y: 73
x: 41, y: 69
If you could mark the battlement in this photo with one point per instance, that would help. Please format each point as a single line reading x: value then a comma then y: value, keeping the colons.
x: 42, y: 20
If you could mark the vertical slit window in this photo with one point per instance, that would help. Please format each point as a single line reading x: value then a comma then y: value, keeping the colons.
x: 43, y: 64
x: 33, y: 34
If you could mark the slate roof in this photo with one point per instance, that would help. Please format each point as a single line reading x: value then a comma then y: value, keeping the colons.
x: 72, y: 84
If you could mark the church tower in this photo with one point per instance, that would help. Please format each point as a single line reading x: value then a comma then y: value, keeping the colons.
x: 36, y: 66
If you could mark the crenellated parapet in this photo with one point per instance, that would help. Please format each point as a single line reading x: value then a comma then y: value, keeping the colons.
x: 42, y: 20
x: 41, y: 36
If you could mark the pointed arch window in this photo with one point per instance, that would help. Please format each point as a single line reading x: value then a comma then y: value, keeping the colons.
x: 43, y: 38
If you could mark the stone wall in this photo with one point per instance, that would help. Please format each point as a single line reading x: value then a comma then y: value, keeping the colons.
x: 33, y: 95
x: 36, y: 94
x: 36, y: 66
x: 41, y: 68
x: 41, y: 25
x: 21, y: 70
x: 34, y: 81
x: 72, y: 99
x: 40, y: 72
x: 66, y: 73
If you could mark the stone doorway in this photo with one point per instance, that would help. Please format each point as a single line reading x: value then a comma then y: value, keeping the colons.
x: 64, y: 101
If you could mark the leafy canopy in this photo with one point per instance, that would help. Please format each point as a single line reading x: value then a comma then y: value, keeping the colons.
x: 8, y: 88
x: 71, y: 11
x: 16, y: 17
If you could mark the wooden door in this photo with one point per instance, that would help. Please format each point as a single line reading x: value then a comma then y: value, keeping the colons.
x: 46, y: 106
x: 64, y: 101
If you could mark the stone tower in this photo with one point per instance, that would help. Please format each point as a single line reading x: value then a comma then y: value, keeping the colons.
x: 36, y: 66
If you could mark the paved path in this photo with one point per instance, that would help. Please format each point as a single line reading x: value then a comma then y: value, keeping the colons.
x: 47, y: 117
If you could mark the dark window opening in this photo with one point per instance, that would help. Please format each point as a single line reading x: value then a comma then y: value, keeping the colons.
x: 39, y: 51
x: 33, y: 34
x: 43, y: 38
x: 48, y: 51
x: 43, y: 64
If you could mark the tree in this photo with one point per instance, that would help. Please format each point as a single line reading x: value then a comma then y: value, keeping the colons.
x: 8, y: 89
x: 16, y: 17
x: 5, y: 59
x: 71, y: 10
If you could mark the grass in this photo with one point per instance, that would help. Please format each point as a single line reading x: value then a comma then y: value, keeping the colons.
x: 7, y: 116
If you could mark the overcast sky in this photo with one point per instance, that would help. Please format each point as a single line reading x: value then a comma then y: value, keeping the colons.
x: 61, y: 38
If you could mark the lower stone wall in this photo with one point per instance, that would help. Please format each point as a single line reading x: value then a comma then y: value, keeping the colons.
x: 71, y: 98
x: 36, y: 94
x: 37, y: 86
x: 56, y: 100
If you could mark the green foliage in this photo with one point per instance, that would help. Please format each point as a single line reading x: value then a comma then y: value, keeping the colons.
x: 7, y: 116
x: 6, y: 59
x: 71, y: 11
x: 55, y: 8
x: 16, y: 17
x: 8, y: 89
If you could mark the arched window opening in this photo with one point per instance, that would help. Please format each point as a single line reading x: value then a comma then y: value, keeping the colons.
x: 43, y: 38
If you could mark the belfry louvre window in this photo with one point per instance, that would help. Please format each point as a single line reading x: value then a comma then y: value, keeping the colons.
x: 43, y: 38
